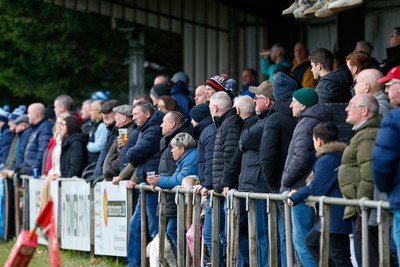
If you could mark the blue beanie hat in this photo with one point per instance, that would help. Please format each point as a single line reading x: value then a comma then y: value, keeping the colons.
x: 4, y: 113
x: 283, y: 84
x: 306, y: 96
x: 200, y: 112
x: 101, y: 95
x: 17, y: 112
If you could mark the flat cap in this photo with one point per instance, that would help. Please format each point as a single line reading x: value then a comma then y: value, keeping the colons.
x: 124, y: 110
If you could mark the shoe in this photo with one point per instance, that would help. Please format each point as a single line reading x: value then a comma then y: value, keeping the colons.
x: 288, y: 12
x: 341, y: 5
x: 298, y: 13
x: 310, y: 12
x: 325, y: 11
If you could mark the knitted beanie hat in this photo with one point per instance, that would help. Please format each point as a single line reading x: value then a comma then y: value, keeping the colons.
x: 306, y: 96
x: 218, y: 82
x: 200, y: 112
x: 283, y: 84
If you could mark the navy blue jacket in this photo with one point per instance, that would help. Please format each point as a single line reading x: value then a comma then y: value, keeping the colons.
x: 325, y: 183
x: 298, y: 165
x: 23, y: 138
x: 206, y: 132
x: 133, y: 135
x: 385, y: 158
x: 180, y: 93
x: 6, y: 138
x: 145, y: 155
x: 37, y: 144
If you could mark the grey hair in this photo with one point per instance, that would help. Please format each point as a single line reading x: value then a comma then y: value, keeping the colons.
x: 184, y: 140
x: 144, y: 106
x: 370, y: 102
x: 245, y: 103
x: 221, y: 100
x: 65, y: 101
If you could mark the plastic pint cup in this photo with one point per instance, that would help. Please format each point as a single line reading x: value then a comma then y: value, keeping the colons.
x: 123, y: 133
x: 35, y: 173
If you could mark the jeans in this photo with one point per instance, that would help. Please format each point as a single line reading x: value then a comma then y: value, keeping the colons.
x: 172, y: 232
x: 243, y: 253
x: 339, y: 248
x: 282, y: 239
x: 134, y: 243
x: 262, y: 232
x: 207, y: 229
x: 396, y: 229
x: 302, y: 223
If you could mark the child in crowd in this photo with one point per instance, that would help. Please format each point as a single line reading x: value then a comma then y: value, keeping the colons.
x: 326, y: 161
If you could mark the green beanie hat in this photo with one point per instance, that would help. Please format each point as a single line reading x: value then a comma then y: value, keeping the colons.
x: 306, y: 96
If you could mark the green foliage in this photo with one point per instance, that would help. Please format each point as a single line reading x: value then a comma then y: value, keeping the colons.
x: 47, y: 50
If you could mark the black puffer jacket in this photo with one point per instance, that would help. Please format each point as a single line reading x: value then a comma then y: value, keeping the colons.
x: 393, y: 59
x: 168, y: 164
x: 251, y: 178
x: 277, y: 134
x: 229, y: 127
x: 298, y: 165
x: 74, y: 155
x: 335, y: 87
x: 231, y: 175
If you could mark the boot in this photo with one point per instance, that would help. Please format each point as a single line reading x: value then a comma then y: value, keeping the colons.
x: 341, y: 5
x: 310, y: 12
x: 298, y: 13
x: 324, y: 11
x: 288, y: 12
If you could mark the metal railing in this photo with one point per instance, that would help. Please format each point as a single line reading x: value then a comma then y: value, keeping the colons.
x: 193, y: 210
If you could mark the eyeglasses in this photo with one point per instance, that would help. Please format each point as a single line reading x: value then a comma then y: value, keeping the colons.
x: 259, y: 97
x: 390, y: 83
x: 60, y: 124
x: 355, y: 106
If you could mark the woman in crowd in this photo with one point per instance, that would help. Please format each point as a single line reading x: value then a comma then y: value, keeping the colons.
x: 74, y: 156
x: 166, y: 103
x: 97, y: 133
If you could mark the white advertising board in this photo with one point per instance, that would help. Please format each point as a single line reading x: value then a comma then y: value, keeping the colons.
x: 35, y: 190
x: 75, y: 214
x: 111, y: 223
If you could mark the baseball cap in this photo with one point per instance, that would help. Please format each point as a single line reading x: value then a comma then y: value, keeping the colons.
x: 394, y: 73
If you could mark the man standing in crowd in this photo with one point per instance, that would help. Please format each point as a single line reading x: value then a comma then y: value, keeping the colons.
x: 367, y: 82
x: 385, y: 155
x: 301, y: 66
x: 355, y: 172
x: 305, y: 107
x: 200, y: 94
x: 249, y: 77
x: 276, y: 137
x: 273, y: 58
x: 333, y: 86
x: 145, y: 156
x: 38, y: 141
x: 393, y: 52
x: 85, y: 114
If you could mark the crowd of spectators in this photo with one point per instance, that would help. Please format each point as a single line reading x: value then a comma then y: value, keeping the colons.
x: 276, y: 136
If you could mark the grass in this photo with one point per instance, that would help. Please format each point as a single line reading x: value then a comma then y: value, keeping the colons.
x: 69, y: 258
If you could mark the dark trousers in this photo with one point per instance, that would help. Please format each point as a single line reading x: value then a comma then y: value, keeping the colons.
x: 339, y: 248
x: 373, y: 242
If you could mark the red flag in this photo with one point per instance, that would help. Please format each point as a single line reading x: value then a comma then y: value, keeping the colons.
x: 46, y: 221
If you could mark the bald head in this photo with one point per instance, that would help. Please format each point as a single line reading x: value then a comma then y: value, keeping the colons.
x: 36, y: 113
x: 366, y: 82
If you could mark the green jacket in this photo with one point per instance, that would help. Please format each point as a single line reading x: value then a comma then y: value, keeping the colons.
x: 355, y: 172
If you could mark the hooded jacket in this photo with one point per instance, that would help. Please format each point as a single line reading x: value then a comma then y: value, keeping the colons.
x: 74, y: 155
x: 325, y: 183
x: 145, y: 154
x: 298, y: 165
x: 277, y: 134
x: 180, y: 93
x: 334, y: 87
x: 355, y: 173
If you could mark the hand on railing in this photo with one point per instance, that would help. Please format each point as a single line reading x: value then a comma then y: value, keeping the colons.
x: 116, y: 180
x: 130, y: 185
x: 289, y: 201
x: 197, y: 189
x: 225, y: 191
